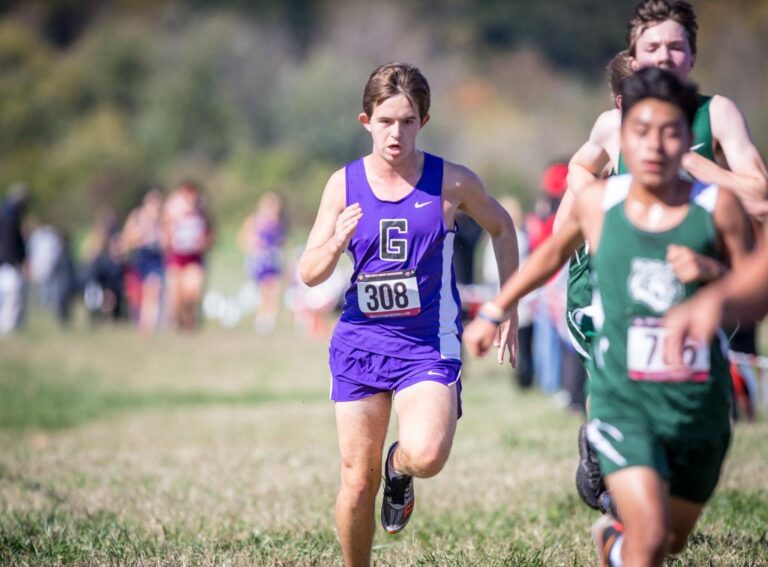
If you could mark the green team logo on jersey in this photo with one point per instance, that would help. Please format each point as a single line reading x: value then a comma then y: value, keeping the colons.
x: 653, y: 283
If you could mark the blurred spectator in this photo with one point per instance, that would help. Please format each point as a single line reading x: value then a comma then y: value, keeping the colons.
x: 52, y: 270
x: 142, y: 240
x: 102, y: 275
x: 43, y: 249
x: 187, y: 237
x: 538, y: 225
x: 63, y: 281
x: 13, y: 256
x: 546, y: 341
x: 96, y: 239
x: 261, y: 239
x: 104, y: 292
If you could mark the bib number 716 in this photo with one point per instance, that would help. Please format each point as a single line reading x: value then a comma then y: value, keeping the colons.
x: 645, y: 355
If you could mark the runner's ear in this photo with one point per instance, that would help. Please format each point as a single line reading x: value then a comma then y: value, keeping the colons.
x: 365, y: 120
x: 425, y: 120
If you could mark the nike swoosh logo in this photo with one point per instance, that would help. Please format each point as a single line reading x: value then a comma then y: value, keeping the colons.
x: 433, y: 373
x: 697, y: 146
x: 419, y: 205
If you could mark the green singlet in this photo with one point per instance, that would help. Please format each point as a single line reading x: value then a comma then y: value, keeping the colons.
x: 644, y: 413
x: 579, y: 295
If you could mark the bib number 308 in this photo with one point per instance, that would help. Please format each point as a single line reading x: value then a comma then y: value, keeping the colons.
x: 388, y: 294
x: 645, y: 355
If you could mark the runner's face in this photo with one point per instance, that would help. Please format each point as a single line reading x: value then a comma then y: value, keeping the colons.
x: 393, y: 125
x: 666, y: 46
x: 654, y: 137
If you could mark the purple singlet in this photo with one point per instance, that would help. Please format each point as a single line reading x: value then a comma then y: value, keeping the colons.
x: 402, y: 300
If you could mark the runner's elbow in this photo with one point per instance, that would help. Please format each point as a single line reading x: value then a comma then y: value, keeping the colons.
x: 306, y: 275
x: 310, y: 275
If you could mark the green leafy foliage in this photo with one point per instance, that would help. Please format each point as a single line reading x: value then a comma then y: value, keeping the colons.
x: 99, y: 101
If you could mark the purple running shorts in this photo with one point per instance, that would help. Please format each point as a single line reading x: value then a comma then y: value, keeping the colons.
x: 357, y: 374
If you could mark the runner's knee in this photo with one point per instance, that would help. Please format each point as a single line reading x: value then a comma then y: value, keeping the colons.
x: 648, y: 539
x: 424, y: 460
x: 360, y: 482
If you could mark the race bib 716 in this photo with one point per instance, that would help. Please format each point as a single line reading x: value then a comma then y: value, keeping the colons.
x: 645, y: 355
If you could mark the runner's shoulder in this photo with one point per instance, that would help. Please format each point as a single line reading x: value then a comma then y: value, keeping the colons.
x: 723, y: 110
x: 459, y: 178
x: 593, y: 191
x: 606, y: 124
x: 590, y: 198
x: 337, y: 178
x: 335, y: 190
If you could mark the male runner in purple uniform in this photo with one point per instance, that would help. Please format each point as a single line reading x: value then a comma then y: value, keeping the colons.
x: 399, y: 335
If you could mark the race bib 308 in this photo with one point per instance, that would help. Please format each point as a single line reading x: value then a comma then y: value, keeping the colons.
x: 389, y: 294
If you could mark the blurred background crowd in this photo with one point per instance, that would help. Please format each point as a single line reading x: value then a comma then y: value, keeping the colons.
x: 148, y: 269
x: 146, y: 144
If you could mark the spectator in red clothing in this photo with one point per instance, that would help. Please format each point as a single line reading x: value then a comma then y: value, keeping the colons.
x: 553, y: 184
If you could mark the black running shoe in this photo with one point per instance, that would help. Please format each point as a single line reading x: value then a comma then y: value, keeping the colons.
x: 589, y: 479
x: 397, y: 505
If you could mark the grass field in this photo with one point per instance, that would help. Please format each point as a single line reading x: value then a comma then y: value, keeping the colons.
x: 219, y: 448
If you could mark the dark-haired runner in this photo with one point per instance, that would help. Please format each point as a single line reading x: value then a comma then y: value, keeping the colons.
x: 661, y: 432
x: 661, y: 33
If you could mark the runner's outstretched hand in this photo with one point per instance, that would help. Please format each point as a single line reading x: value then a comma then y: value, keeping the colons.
x: 479, y: 336
x: 506, y: 339
x: 696, y: 320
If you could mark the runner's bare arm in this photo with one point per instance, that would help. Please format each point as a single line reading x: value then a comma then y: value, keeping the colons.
x: 748, y: 175
x: 334, y: 226
x: 744, y: 293
x: 474, y: 200
x: 588, y: 163
x: 743, y: 290
x: 590, y: 159
x: 541, y: 265
x: 546, y: 260
x: 734, y: 229
x: 488, y: 213
x: 564, y: 210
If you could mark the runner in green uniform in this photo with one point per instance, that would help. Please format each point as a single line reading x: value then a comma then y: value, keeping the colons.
x: 579, y: 298
x: 661, y: 33
x: 661, y: 432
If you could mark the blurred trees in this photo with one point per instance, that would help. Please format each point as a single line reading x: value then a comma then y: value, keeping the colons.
x: 100, y: 100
